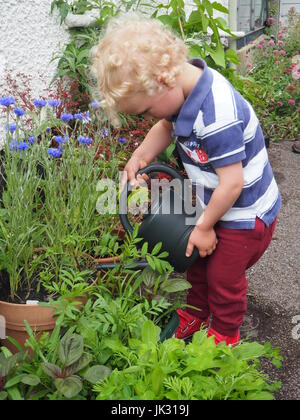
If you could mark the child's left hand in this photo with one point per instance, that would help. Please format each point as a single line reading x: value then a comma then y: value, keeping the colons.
x: 204, y: 239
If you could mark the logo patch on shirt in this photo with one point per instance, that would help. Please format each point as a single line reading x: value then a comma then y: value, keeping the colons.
x: 202, y: 155
x: 198, y: 155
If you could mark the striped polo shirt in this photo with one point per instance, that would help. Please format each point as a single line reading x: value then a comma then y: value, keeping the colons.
x: 216, y: 127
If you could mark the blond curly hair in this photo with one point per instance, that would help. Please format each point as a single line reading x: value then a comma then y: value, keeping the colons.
x: 135, y: 54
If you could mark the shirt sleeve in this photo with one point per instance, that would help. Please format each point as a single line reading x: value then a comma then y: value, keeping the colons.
x: 224, y: 143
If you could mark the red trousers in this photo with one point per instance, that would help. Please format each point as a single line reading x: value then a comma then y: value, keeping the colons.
x: 219, y: 283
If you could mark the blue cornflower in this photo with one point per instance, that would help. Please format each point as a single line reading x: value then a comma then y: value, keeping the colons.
x: 54, y: 102
x: 55, y: 152
x: 122, y: 140
x: 78, y: 117
x: 7, y: 101
x: 48, y: 129
x: 19, y: 112
x: 31, y: 140
x: 11, y: 127
x: 66, y: 117
x: 105, y: 132
x: 21, y: 145
x: 84, y: 140
x: 40, y: 103
x: 86, y: 117
x: 94, y: 104
x: 60, y: 139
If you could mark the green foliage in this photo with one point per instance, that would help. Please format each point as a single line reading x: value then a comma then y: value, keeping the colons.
x: 8, y: 380
x: 200, y: 30
x: 177, y: 371
x: 60, y: 368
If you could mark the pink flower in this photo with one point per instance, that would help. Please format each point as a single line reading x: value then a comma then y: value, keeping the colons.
x: 275, y: 52
x: 259, y: 46
x: 298, y: 110
x: 271, y: 42
x: 280, y: 103
x: 291, y: 102
x: 296, y: 75
x: 282, y: 52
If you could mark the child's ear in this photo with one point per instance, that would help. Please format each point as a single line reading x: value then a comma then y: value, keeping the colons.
x: 161, y: 80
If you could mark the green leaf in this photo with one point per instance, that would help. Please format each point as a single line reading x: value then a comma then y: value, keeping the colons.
x: 70, y: 349
x: 69, y: 387
x: 260, y: 396
x: 3, y: 395
x: 97, y: 373
x: 14, y: 394
x: 144, y: 249
x: 156, y: 249
x: 13, y: 381
x: 196, y: 51
x: 218, y: 55
x: 208, y: 6
x: 220, y: 7
x: 175, y: 285
x: 157, y: 379
x: 51, y: 370
x: 249, y: 351
x: 231, y: 55
x: 31, y: 380
x: 150, y: 262
x: 221, y: 23
x: 167, y: 20
x: 149, y: 276
x: 82, y: 363
x: 150, y: 333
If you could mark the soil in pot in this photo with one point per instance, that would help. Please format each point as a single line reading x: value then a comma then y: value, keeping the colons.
x: 15, y: 313
x: 40, y: 319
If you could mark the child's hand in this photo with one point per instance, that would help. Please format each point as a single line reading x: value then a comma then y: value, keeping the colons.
x: 134, y: 164
x: 204, y: 239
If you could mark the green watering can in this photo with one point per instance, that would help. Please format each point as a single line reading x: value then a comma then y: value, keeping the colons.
x: 171, y: 228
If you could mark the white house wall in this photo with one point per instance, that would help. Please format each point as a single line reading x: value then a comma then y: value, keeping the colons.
x: 29, y: 37
x: 285, y: 5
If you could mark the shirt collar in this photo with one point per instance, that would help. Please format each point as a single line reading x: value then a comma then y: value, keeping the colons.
x: 190, y: 109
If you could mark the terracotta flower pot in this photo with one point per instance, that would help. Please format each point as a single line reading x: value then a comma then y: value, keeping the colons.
x: 40, y: 320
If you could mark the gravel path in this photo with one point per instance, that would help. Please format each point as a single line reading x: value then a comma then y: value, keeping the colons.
x: 274, y: 282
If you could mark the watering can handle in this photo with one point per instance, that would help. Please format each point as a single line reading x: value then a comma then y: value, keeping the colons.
x: 153, y: 167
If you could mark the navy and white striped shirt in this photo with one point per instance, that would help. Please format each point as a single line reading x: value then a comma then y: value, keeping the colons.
x: 216, y: 127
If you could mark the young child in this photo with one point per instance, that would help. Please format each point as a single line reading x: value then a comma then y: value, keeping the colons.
x: 142, y: 68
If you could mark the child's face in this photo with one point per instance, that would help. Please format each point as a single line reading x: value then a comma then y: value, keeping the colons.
x: 159, y: 106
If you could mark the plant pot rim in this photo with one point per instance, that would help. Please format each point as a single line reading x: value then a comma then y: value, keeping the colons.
x: 19, y: 305
x: 107, y: 260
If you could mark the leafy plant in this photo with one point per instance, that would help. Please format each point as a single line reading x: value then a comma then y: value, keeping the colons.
x: 156, y: 284
x: 200, y: 29
x: 60, y: 368
x: 199, y: 370
x: 72, y: 360
x: 8, y: 365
